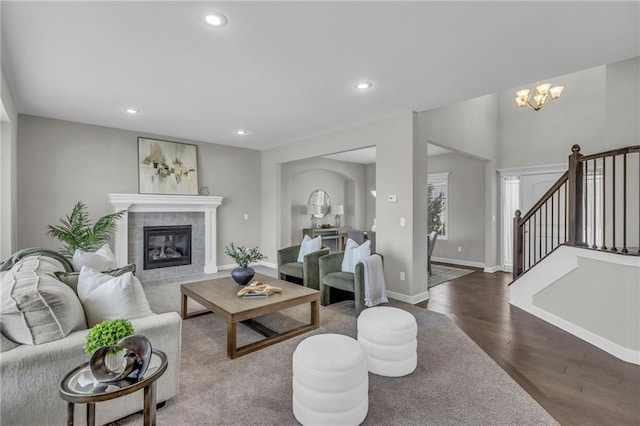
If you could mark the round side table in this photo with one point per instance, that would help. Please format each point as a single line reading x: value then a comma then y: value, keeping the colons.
x: 80, y: 387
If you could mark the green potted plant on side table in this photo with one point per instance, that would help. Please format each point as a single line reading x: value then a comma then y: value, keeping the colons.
x: 108, y: 332
x: 243, y: 256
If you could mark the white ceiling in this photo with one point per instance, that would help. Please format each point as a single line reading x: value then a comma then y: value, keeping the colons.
x: 368, y: 155
x: 361, y: 156
x: 284, y: 70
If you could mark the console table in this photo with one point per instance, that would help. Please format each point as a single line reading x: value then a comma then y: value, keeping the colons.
x: 336, y: 237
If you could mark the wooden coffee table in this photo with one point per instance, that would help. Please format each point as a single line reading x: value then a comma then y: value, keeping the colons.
x: 220, y: 296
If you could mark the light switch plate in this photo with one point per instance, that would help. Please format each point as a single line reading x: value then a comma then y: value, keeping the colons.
x: 392, y: 198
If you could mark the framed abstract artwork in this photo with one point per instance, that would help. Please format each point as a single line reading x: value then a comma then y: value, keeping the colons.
x: 167, y: 167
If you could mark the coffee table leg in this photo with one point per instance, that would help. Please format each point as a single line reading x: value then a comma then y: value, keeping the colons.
x: 150, y: 405
x: 232, y: 328
x: 315, y: 314
x: 183, y: 307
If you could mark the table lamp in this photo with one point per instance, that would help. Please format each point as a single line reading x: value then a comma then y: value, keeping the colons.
x: 337, y: 210
x: 313, y: 210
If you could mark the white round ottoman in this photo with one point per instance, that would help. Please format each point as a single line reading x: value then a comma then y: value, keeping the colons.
x: 388, y: 335
x: 330, y: 381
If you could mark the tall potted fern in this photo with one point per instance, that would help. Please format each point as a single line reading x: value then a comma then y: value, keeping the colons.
x: 77, y: 231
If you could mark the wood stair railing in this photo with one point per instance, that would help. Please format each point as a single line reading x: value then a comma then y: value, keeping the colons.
x: 595, y: 204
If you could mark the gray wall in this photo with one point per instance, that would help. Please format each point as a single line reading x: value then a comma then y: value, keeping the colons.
x: 371, y: 200
x: 470, y: 127
x: 466, y: 207
x: 598, y: 109
x: 8, y: 170
x: 605, y: 300
x: 60, y: 163
x: 342, y: 180
x: 393, y: 138
x: 623, y: 103
x: 302, y: 185
x: 532, y: 138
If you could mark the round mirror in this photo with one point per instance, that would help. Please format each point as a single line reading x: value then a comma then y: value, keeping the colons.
x: 320, y: 198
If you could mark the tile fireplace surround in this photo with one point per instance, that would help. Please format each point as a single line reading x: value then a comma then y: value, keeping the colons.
x: 151, y: 203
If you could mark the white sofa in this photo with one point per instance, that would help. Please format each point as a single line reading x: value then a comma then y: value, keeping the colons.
x: 30, y: 376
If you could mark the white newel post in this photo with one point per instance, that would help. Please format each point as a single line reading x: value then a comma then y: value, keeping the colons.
x: 167, y: 203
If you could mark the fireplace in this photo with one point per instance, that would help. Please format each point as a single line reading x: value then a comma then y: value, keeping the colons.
x: 166, y: 246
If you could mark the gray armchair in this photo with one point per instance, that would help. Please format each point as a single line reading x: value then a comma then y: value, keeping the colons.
x: 331, y: 276
x: 307, y: 271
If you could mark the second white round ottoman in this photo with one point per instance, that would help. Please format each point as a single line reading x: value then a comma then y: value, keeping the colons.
x: 330, y: 381
x: 388, y: 335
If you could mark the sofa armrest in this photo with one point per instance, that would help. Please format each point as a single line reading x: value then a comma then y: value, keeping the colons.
x: 287, y: 255
x: 8, y: 263
x: 31, y: 375
x: 330, y: 263
x: 311, y: 268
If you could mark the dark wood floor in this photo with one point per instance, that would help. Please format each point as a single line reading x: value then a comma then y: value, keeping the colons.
x: 577, y: 383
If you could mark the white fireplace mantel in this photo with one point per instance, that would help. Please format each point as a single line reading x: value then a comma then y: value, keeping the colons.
x: 167, y: 203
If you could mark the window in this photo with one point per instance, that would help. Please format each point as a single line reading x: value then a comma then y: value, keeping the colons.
x: 438, y: 200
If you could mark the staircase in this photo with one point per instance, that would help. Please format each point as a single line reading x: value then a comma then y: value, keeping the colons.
x: 594, y: 205
x: 576, y: 259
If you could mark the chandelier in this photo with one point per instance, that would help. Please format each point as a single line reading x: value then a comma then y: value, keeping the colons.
x: 543, y: 91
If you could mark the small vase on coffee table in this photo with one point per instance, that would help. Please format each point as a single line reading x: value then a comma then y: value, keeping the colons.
x: 242, y: 274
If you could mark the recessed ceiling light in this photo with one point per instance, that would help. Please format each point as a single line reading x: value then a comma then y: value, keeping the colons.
x: 216, y: 19
x: 132, y: 111
x: 241, y: 132
x: 364, y: 85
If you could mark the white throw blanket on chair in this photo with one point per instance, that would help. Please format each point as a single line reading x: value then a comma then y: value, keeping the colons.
x: 375, y: 290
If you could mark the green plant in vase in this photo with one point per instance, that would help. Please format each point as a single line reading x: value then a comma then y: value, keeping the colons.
x: 106, y: 333
x: 77, y: 232
x: 243, y: 257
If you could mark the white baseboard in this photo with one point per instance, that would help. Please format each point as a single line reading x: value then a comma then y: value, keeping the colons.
x: 267, y: 264
x: 409, y: 299
x: 458, y: 262
x: 492, y: 269
x: 227, y: 267
x: 619, y: 351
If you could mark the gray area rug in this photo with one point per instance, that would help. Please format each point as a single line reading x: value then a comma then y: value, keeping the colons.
x: 441, y: 274
x: 455, y: 382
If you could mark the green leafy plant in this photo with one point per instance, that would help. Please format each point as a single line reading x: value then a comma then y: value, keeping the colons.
x: 242, y: 255
x: 108, y: 332
x: 77, y: 232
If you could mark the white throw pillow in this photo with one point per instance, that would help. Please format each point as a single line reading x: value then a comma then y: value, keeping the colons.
x: 309, y: 245
x: 35, y: 307
x: 353, y: 253
x: 106, y: 297
x: 102, y: 260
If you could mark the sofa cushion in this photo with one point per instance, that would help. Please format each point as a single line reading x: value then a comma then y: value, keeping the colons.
x: 106, y: 297
x: 341, y: 280
x: 292, y: 269
x: 102, y: 259
x: 354, y: 253
x: 309, y: 245
x: 71, y: 278
x: 6, y: 344
x: 35, y: 307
